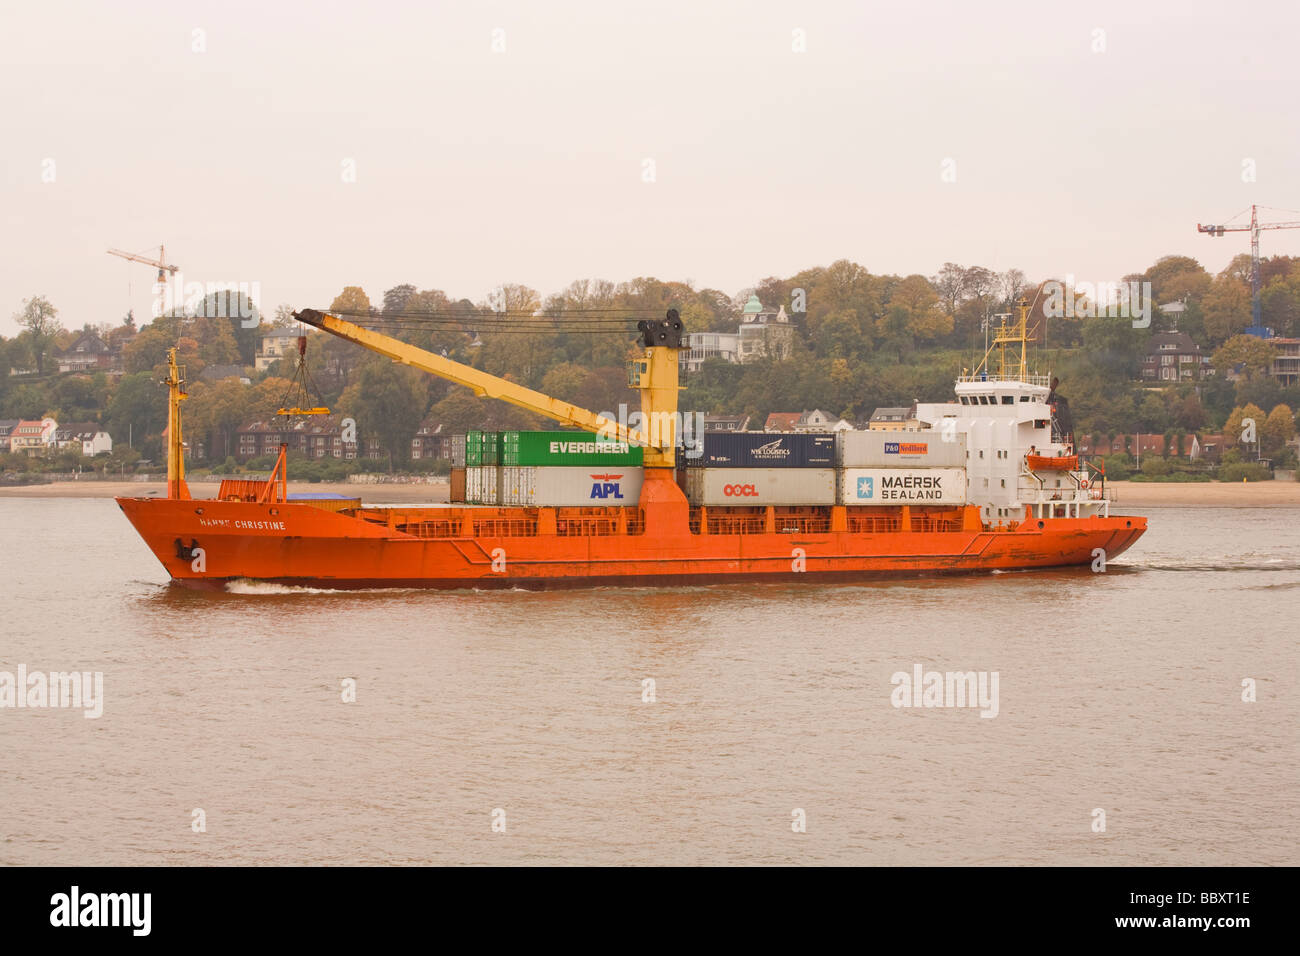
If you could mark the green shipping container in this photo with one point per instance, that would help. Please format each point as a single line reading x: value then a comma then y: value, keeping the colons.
x: 474, y: 448
x: 580, y: 449
x: 491, y: 448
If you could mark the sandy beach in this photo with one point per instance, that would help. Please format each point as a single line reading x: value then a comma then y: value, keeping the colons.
x: 1126, y: 494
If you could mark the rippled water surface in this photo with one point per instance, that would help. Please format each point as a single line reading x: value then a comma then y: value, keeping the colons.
x: 1119, y: 691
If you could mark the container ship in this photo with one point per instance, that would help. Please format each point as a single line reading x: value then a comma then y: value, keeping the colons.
x: 987, y: 482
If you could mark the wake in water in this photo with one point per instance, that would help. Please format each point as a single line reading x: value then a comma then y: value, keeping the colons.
x: 245, y: 586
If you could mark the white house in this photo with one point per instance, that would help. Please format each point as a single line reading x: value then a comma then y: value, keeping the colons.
x: 89, y: 437
x: 701, y: 346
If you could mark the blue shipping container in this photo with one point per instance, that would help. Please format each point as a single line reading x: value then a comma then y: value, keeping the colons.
x: 765, y: 450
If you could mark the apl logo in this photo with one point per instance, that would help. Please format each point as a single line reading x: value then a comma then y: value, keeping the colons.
x: 866, y: 487
x: 772, y: 449
x: 605, y: 486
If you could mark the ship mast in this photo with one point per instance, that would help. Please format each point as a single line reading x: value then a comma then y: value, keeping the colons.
x: 1013, y: 367
x: 175, y: 382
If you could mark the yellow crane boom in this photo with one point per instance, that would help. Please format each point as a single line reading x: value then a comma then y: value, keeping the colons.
x: 655, y: 374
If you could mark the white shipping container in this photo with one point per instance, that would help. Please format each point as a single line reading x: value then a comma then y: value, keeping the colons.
x: 902, y: 486
x: 921, y: 449
x: 510, y: 485
x: 570, y: 487
x: 760, y: 486
x: 481, y: 486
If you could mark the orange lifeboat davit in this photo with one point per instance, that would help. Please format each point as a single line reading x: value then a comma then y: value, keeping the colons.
x: 1043, y: 463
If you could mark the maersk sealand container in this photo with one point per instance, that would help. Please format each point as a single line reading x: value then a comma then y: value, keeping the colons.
x: 766, y: 450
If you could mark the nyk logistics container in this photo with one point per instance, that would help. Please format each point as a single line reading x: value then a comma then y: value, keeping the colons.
x: 765, y: 450
x: 567, y: 487
x: 760, y: 486
x: 556, y: 448
x: 902, y: 486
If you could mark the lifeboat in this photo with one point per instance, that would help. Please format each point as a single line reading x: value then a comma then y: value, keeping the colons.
x: 1043, y: 463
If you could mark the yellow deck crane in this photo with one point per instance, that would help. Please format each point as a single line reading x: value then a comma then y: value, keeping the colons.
x: 654, y: 373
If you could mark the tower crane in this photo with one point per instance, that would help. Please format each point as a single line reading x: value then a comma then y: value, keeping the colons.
x: 1256, y: 323
x: 160, y: 263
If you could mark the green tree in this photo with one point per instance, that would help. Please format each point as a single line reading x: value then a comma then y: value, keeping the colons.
x: 40, y: 319
x: 138, y: 409
x: 390, y: 404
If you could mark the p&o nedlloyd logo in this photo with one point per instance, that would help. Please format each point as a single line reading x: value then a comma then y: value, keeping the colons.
x: 906, y: 448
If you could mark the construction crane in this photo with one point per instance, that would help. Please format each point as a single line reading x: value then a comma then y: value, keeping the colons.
x: 160, y: 263
x: 654, y: 373
x: 1256, y: 326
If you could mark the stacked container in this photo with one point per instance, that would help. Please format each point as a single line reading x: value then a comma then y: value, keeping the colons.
x: 762, y: 468
x: 901, y: 468
x: 551, y: 468
x: 568, y: 469
x: 482, y: 474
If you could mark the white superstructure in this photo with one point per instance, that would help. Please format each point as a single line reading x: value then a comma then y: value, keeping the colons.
x: 1006, y: 419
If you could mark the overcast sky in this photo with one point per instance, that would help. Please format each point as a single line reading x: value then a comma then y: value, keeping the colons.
x: 475, y: 167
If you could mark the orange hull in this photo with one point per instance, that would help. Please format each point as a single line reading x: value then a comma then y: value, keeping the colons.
x: 210, y: 542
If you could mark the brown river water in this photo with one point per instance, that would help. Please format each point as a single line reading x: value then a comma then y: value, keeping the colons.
x: 514, y: 728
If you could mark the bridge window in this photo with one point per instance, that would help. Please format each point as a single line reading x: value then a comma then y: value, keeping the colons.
x: 1008, y: 400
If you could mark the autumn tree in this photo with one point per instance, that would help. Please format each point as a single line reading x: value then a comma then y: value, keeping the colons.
x: 1277, y: 429
x: 352, y: 303
x: 1252, y: 355
x: 1243, y: 425
x: 1227, y: 308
